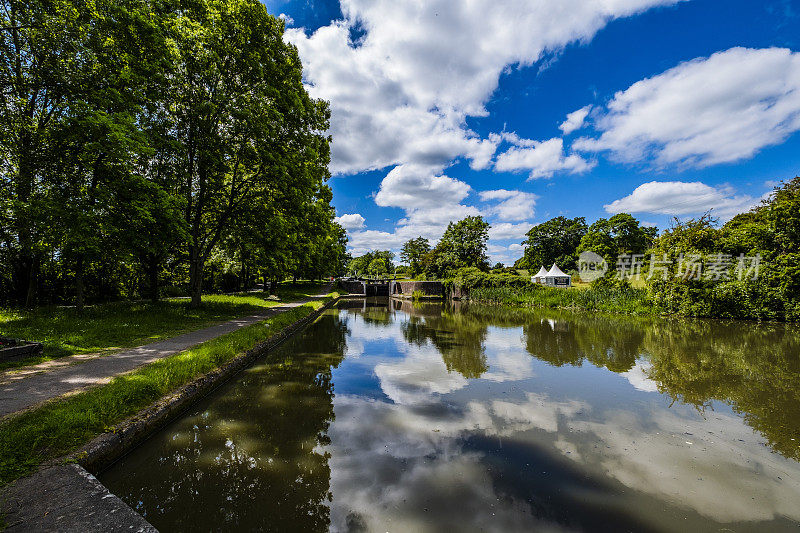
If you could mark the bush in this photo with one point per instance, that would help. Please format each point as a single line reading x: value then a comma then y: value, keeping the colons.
x: 471, y: 278
x: 611, y: 281
x: 608, y: 300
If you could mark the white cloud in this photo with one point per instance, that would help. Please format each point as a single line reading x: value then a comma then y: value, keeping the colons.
x: 286, y: 19
x: 350, y: 221
x: 639, y: 377
x: 402, y: 94
x: 417, y: 186
x: 362, y: 242
x: 506, y: 230
x: 430, y: 200
x: 682, y: 198
x: 542, y: 159
x: 706, y: 111
x: 575, y: 120
x: 538, y: 411
x: 514, y: 205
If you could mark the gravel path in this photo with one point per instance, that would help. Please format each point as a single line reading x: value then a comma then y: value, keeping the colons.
x: 22, y: 390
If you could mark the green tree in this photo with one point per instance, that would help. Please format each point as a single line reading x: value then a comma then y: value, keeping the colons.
x: 463, y: 244
x: 374, y: 263
x: 378, y: 267
x: 620, y: 234
x: 554, y: 241
x: 412, y: 253
x: 45, y: 60
x: 245, y: 126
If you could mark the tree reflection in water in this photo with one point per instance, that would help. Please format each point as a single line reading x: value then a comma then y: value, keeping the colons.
x: 755, y: 368
x: 255, y: 456
x: 252, y: 452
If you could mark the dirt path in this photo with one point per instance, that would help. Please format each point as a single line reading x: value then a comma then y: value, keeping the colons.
x: 22, y: 390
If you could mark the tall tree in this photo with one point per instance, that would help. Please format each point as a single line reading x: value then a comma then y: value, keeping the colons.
x: 620, y: 234
x: 412, y: 253
x: 101, y: 144
x: 554, y: 241
x: 463, y: 244
x: 246, y: 126
x: 44, y: 46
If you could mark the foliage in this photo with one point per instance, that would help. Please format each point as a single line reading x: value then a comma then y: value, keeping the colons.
x: 144, y: 140
x: 769, y: 231
x: 620, y: 234
x: 470, y: 278
x: 611, y: 281
x: 413, y: 252
x: 463, y: 244
x: 375, y: 263
x: 555, y: 241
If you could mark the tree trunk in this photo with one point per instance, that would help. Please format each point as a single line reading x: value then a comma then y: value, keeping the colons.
x: 24, y: 220
x: 195, y: 276
x: 30, y: 296
x: 152, y: 277
x: 79, y: 296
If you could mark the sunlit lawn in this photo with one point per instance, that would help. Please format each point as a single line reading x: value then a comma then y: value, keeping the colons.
x: 66, y: 331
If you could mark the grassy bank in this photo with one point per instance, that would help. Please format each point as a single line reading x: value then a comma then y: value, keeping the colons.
x: 105, y: 327
x: 626, y: 301
x: 57, y: 428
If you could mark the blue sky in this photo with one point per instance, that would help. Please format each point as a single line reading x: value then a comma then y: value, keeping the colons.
x: 443, y: 109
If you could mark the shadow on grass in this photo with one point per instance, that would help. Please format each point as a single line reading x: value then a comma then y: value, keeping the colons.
x: 67, y: 331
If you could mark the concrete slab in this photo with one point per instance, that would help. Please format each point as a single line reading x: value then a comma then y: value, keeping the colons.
x: 67, y: 499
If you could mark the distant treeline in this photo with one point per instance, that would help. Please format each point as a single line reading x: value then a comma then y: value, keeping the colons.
x: 149, y: 144
x: 747, y: 268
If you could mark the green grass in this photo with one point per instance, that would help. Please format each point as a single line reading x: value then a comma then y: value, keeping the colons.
x: 624, y: 301
x: 57, y: 428
x: 66, y: 331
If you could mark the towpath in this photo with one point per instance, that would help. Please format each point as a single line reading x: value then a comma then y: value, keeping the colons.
x: 20, y: 390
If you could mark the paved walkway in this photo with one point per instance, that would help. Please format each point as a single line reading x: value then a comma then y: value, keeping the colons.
x: 32, y: 386
x: 67, y: 499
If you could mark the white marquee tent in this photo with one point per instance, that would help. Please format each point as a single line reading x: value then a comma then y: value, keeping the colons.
x: 539, y: 277
x: 555, y: 277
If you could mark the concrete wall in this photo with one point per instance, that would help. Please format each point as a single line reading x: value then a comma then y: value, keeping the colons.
x: 353, y: 287
x: 406, y: 289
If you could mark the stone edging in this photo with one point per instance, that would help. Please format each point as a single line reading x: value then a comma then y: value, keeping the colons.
x: 108, y: 447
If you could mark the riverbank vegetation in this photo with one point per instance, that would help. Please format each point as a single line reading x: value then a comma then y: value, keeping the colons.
x: 108, y: 327
x: 57, y: 428
x: 156, y: 148
x: 747, y: 268
x: 605, y: 300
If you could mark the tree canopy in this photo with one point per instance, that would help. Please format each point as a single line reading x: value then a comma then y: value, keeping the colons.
x: 462, y: 245
x: 413, y: 252
x: 619, y: 235
x: 375, y: 263
x: 554, y: 241
x: 748, y: 267
x: 142, y: 140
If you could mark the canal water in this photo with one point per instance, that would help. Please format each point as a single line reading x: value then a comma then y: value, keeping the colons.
x: 395, y: 416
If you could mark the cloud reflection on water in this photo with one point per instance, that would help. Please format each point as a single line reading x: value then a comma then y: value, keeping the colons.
x: 404, y: 462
